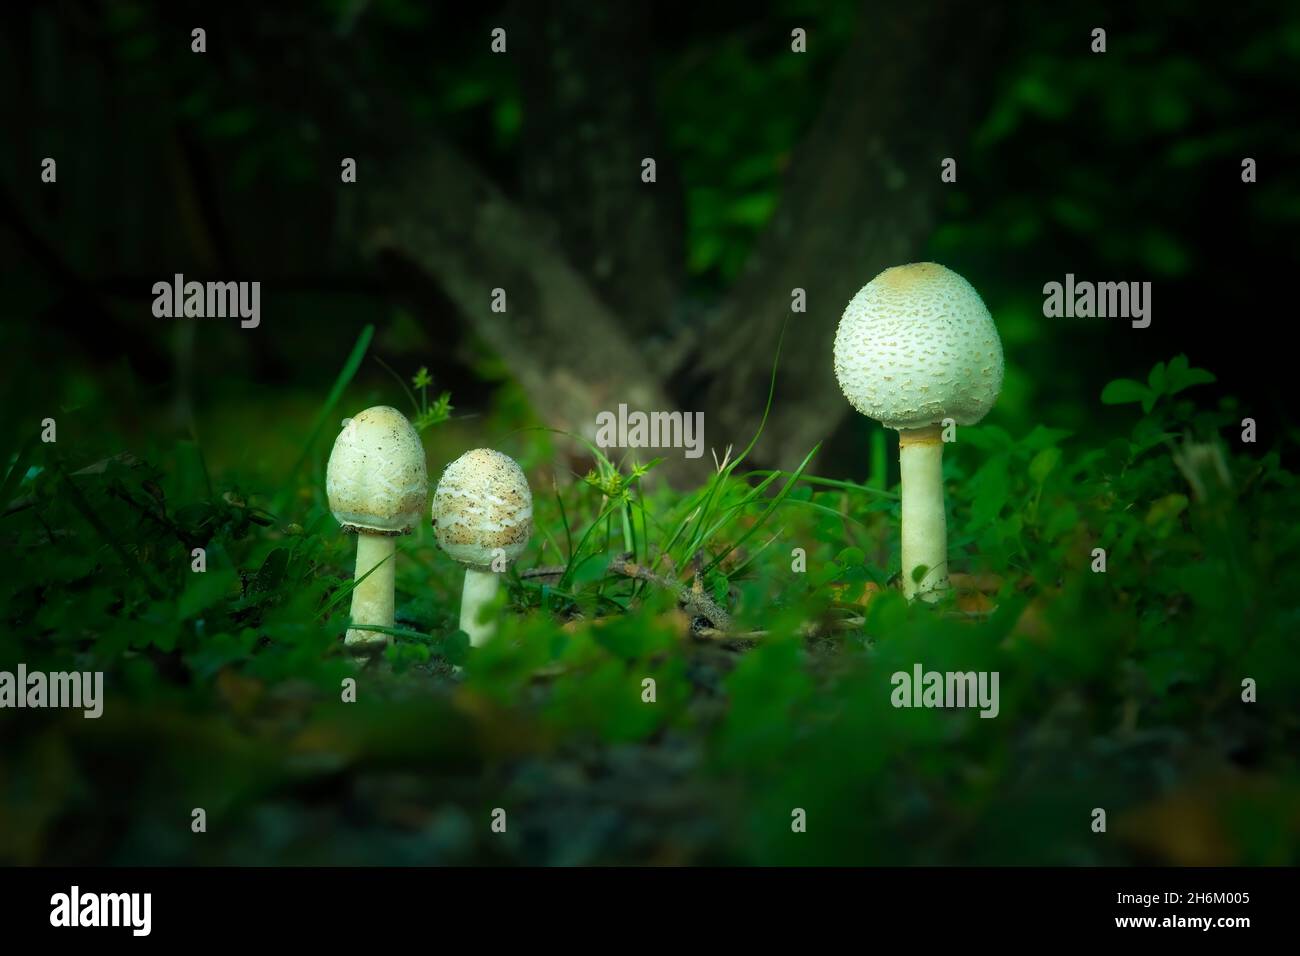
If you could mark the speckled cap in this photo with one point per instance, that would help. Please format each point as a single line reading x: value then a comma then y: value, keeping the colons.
x: 915, y: 346
x: 376, y: 479
x: 482, y: 503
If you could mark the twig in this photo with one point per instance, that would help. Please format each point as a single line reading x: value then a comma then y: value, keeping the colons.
x: 807, y: 629
x: 693, y: 599
x: 543, y: 571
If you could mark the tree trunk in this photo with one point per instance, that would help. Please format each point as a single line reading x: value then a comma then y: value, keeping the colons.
x: 590, y: 119
x: 438, y: 213
x: 861, y: 194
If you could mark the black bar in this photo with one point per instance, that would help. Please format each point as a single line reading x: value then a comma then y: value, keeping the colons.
x: 238, y: 905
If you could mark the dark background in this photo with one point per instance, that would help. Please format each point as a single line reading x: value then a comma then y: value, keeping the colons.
x: 775, y: 170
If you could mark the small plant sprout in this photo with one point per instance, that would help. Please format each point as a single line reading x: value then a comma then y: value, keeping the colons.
x: 377, y: 485
x: 428, y: 415
x: 483, y: 517
x: 916, y: 347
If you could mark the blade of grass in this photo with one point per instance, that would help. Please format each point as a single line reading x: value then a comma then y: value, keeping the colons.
x: 582, y: 543
x: 564, y: 516
x: 834, y: 483
x: 767, y: 512
x: 395, y: 631
x: 672, y: 540
x: 348, y: 588
x: 732, y: 512
x: 18, y: 471
x: 877, y: 479
x: 341, y: 382
x: 724, y: 473
x: 400, y: 381
x: 132, y: 565
x: 771, y: 391
x: 639, y: 586
x: 739, y: 569
x: 818, y: 506
x: 550, y: 539
x: 629, y: 529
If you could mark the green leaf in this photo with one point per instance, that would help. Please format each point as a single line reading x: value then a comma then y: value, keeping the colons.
x: 1181, y: 375
x: 705, y: 252
x: 752, y: 210
x: 1156, y: 378
x: 203, y: 591
x: 990, y: 486
x: 1164, y: 512
x: 1043, y: 464
x: 1043, y: 437
x: 850, y: 557
x: 454, y: 648
x: 829, y: 572
x: 1123, y: 391
x: 1060, y: 520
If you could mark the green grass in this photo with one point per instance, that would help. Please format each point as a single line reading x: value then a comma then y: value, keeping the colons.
x: 1120, y: 690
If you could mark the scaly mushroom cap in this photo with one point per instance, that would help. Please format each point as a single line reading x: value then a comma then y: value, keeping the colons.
x: 915, y: 346
x: 482, y: 503
x: 376, y: 479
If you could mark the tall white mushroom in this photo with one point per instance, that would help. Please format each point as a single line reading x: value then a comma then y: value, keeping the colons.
x: 377, y: 485
x: 483, y: 517
x: 914, y: 347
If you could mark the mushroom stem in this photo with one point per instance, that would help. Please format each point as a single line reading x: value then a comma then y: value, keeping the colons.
x: 925, y: 526
x: 480, y: 590
x: 372, y: 599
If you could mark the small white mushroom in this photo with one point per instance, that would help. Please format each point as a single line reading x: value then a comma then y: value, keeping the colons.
x: 915, y: 346
x: 483, y: 517
x: 377, y: 485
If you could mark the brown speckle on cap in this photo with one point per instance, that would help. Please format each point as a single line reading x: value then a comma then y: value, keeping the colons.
x: 916, y: 345
x: 482, y: 506
x: 376, y: 479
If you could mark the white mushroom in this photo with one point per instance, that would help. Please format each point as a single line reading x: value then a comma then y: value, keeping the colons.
x: 916, y: 346
x: 377, y: 485
x: 483, y: 517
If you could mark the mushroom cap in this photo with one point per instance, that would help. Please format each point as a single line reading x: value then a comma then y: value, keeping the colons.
x: 482, y: 503
x: 376, y: 478
x: 915, y: 346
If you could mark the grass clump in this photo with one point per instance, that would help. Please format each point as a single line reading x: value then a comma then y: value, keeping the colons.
x: 679, y: 671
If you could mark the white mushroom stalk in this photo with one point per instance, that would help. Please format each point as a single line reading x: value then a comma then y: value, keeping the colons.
x: 483, y: 517
x: 377, y: 485
x: 476, y: 597
x: 925, y: 523
x: 916, y: 349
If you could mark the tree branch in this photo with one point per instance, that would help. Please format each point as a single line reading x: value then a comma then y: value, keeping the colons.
x: 435, y: 211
